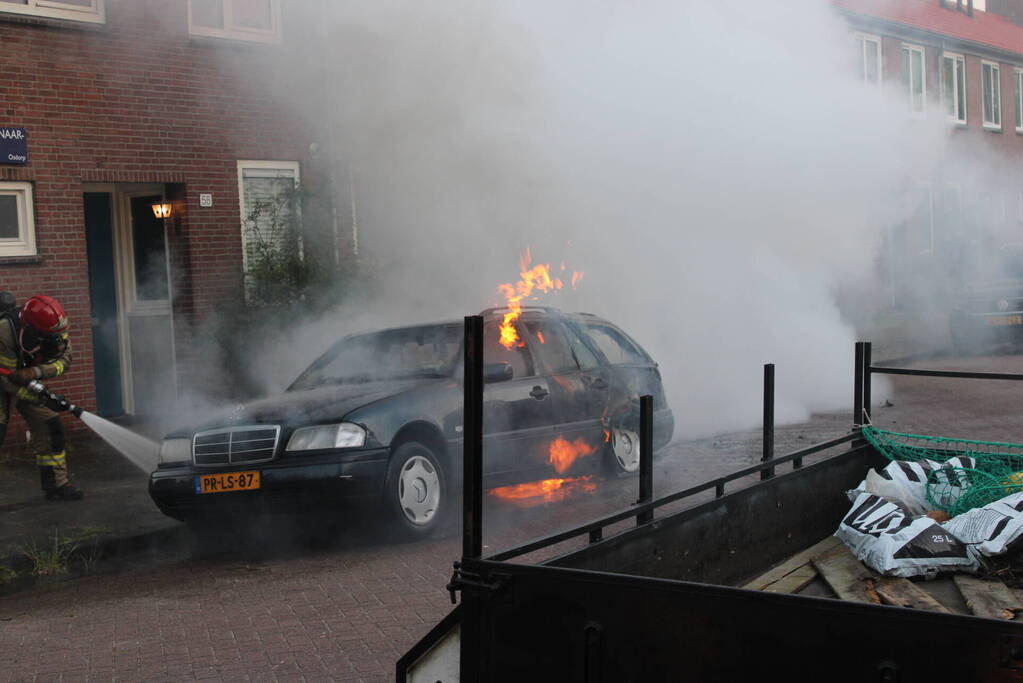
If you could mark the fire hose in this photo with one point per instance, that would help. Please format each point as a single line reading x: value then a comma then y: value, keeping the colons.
x: 54, y: 401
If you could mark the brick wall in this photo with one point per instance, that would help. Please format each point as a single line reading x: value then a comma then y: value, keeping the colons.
x: 139, y: 100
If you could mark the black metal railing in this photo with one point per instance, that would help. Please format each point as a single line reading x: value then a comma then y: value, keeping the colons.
x: 718, y: 485
x: 865, y: 369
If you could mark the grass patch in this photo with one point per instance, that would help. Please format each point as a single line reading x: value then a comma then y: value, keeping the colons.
x: 49, y: 558
x: 7, y: 575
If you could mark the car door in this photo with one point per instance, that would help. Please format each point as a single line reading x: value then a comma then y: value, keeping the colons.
x: 631, y: 373
x: 518, y: 414
x: 577, y: 379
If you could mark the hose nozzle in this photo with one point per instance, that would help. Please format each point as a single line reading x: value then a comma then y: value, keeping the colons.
x: 54, y: 401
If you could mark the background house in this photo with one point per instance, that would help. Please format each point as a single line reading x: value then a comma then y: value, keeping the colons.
x: 121, y: 104
x: 952, y: 62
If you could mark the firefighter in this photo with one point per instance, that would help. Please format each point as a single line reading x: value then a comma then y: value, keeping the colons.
x: 34, y: 345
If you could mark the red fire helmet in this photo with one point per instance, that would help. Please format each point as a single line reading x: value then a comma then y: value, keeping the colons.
x: 44, y: 314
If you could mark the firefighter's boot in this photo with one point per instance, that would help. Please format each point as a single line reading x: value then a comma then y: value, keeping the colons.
x: 55, y: 484
x: 65, y: 492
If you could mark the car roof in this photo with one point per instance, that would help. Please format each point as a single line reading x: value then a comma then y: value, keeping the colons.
x: 528, y: 313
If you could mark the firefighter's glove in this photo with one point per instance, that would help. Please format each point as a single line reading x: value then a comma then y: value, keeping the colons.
x: 22, y: 377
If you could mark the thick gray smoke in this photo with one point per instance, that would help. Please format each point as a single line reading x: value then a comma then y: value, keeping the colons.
x: 714, y: 168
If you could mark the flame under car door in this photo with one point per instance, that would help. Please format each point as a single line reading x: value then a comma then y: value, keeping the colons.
x: 518, y: 414
x: 579, y: 382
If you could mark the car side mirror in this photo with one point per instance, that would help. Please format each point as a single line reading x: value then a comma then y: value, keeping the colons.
x: 497, y: 372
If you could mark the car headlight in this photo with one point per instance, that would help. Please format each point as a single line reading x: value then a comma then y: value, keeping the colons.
x: 175, y: 451
x: 344, y: 435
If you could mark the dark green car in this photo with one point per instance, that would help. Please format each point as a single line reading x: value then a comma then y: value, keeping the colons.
x: 378, y: 418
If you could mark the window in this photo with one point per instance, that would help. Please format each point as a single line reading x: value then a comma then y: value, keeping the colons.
x: 613, y: 344
x: 75, y: 10
x: 270, y: 216
x: 17, y: 227
x: 992, y: 95
x: 953, y: 85
x: 870, y: 58
x: 256, y: 20
x: 914, y: 78
x: 495, y: 352
x: 551, y: 346
x: 920, y: 223
x: 1018, y: 78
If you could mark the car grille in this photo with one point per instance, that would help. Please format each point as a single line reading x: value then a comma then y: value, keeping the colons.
x: 235, y: 445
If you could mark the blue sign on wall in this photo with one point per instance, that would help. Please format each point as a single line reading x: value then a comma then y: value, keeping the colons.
x: 13, y: 146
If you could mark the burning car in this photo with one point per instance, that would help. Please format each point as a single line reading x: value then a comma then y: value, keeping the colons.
x: 378, y: 418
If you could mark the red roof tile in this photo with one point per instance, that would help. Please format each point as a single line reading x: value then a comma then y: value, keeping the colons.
x: 983, y: 27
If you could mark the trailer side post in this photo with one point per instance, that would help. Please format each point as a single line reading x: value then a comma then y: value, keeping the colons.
x: 646, y: 456
x: 867, y: 361
x: 858, y: 386
x: 472, y: 450
x: 768, y: 420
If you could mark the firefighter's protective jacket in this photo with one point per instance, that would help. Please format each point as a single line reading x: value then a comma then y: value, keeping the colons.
x: 12, y: 358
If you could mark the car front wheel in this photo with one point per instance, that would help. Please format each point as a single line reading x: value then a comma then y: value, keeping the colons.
x: 416, y: 493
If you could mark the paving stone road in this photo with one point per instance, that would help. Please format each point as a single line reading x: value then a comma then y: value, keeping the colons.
x: 272, y: 605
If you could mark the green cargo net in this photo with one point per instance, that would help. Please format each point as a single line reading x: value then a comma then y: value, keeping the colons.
x: 997, y: 467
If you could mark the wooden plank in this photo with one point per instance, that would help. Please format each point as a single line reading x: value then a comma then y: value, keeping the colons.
x: 991, y: 599
x: 904, y: 593
x: 793, y: 563
x: 794, y: 581
x: 847, y: 576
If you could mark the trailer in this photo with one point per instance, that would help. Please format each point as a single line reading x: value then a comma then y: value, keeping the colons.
x: 670, y: 598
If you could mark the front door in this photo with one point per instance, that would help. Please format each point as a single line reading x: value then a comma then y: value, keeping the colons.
x: 105, y: 325
x: 129, y: 278
x: 147, y: 310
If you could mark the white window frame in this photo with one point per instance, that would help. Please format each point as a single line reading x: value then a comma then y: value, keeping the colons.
x: 292, y: 166
x: 959, y: 61
x: 867, y: 38
x: 231, y: 32
x: 910, y: 49
x: 95, y: 13
x: 996, y: 95
x: 1017, y: 77
x: 25, y: 243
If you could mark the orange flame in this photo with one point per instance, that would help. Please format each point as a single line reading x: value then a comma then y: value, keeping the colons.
x: 535, y: 278
x: 546, y: 491
x: 539, y: 335
x: 562, y: 454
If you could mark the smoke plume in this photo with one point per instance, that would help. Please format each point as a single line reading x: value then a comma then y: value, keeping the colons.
x: 714, y: 168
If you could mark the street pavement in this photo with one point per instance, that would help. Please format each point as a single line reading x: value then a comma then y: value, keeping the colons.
x: 295, y: 600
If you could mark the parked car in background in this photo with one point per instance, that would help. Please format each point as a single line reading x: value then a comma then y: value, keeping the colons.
x: 378, y: 418
x: 989, y: 309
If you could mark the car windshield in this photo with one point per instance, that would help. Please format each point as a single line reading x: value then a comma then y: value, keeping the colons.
x: 393, y: 354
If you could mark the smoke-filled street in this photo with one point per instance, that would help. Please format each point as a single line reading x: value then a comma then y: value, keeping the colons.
x: 301, y: 302
x: 281, y: 603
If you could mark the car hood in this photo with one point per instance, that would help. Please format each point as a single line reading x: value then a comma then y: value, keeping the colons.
x: 312, y: 406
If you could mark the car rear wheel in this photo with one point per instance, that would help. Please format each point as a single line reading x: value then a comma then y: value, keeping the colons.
x: 623, y: 451
x: 416, y: 493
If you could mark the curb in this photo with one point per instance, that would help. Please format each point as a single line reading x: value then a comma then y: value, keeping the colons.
x: 106, y: 547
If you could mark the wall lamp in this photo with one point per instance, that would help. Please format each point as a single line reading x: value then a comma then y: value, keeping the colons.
x: 162, y: 209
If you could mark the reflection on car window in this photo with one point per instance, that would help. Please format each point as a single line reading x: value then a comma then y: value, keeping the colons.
x: 551, y: 345
x: 587, y: 359
x: 494, y: 352
x: 617, y: 348
x: 393, y: 354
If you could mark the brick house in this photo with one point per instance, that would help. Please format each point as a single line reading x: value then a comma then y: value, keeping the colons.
x: 950, y: 60
x: 112, y: 106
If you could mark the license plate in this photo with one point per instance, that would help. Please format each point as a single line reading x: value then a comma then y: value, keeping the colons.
x: 1006, y: 320
x: 225, y: 482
